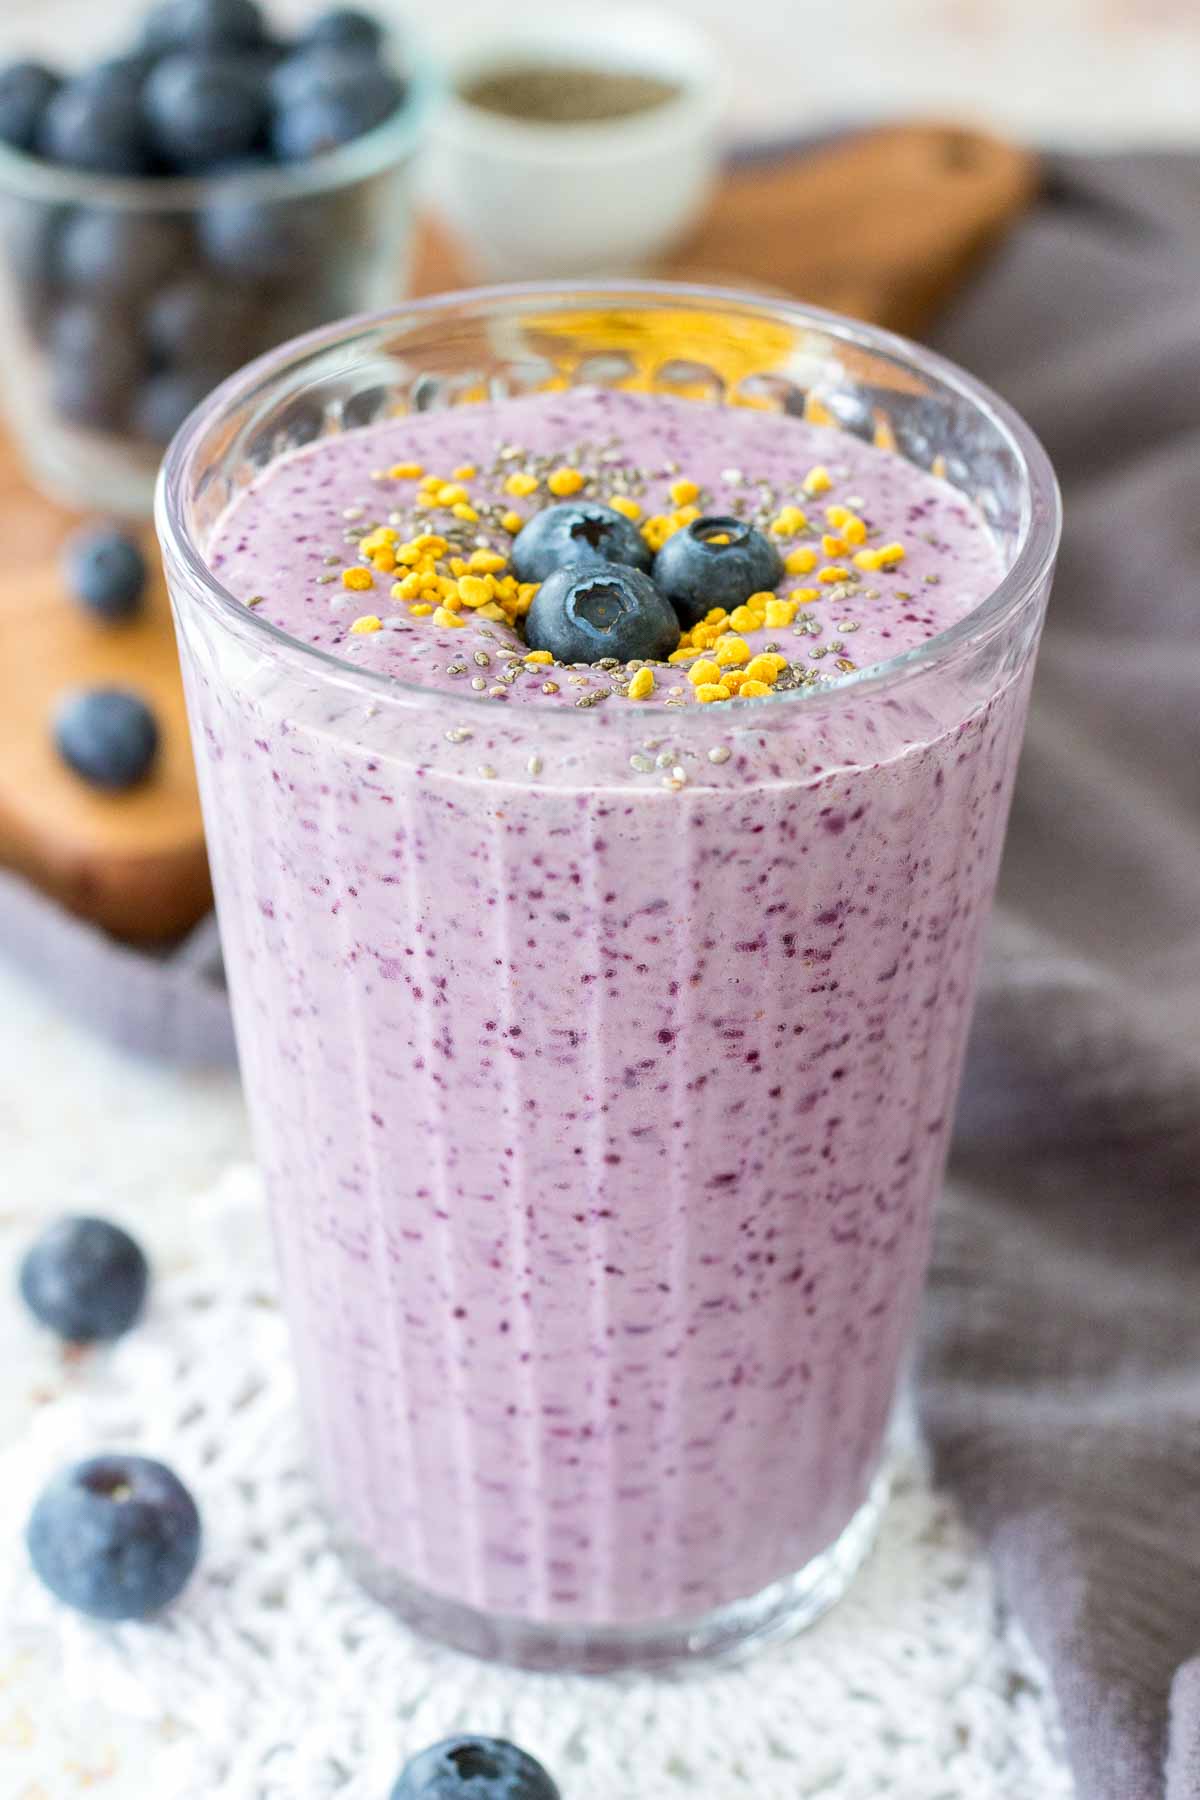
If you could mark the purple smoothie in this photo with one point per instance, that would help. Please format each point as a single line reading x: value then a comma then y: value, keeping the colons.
x: 601, y: 1058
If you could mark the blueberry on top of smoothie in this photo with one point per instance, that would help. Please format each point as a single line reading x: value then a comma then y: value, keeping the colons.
x: 584, y: 612
x: 474, y: 1768
x: 576, y: 533
x: 715, y: 562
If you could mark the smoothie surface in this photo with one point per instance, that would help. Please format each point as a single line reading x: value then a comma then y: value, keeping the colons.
x: 390, y: 545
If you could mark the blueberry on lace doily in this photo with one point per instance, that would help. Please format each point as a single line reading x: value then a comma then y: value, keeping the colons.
x: 275, y: 1679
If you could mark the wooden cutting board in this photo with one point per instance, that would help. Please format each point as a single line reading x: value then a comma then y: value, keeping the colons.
x: 883, y: 226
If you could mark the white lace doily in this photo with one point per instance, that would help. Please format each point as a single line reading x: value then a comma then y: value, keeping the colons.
x: 275, y: 1679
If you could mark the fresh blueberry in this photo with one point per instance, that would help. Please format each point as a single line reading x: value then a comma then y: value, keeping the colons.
x: 337, y: 96
x: 203, y: 25
x: 84, y: 1279
x: 97, y: 128
x: 203, y: 109
x: 26, y: 90
x: 95, y: 366
x: 109, y: 736
x: 168, y: 398
x: 697, y: 570
x: 118, y: 75
x: 106, y: 572
x: 102, y: 251
x: 116, y: 1537
x: 571, y: 533
x: 268, y: 239
x: 474, y: 1768
x: 586, y: 611
x: 200, y: 321
x: 345, y: 28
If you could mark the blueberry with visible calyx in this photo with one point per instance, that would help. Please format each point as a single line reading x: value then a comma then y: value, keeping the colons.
x: 109, y: 736
x: 95, y: 366
x: 97, y: 128
x: 204, y: 25
x: 116, y: 1537
x: 165, y: 400
x: 475, y: 1768
x: 266, y: 239
x: 106, y: 572
x: 197, y: 321
x: 334, y: 97
x: 102, y: 251
x: 84, y: 1279
x: 715, y: 562
x: 584, y: 612
x: 26, y: 90
x: 572, y: 533
x: 345, y: 28
x: 203, y: 110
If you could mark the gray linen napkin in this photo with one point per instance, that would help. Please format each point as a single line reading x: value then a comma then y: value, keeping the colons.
x: 1061, y: 1364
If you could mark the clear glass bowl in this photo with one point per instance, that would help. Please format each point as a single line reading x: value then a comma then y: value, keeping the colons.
x: 99, y: 370
x: 597, y: 1360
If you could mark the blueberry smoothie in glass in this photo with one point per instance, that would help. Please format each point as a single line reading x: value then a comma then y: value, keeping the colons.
x: 605, y: 789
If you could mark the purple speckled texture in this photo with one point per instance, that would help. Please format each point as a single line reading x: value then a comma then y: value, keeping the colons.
x: 277, y: 546
x: 602, y: 1118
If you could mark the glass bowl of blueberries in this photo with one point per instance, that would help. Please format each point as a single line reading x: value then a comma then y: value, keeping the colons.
x: 203, y: 191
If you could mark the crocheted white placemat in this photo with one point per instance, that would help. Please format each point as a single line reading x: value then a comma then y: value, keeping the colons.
x: 275, y: 1679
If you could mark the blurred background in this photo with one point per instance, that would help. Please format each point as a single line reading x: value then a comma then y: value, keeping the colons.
x: 1066, y: 72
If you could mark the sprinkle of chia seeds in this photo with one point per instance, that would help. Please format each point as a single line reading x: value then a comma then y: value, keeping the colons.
x: 481, y: 659
x: 456, y: 668
x: 643, y: 765
x: 478, y: 683
x: 535, y: 765
x: 720, y: 753
x: 486, y: 772
x: 499, y: 692
x: 847, y: 625
x: 459, y: 734
x: 549, y: 687
x: 593, y: 699
x: 845, y: 665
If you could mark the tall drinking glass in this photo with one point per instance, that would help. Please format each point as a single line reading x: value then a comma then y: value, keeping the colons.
x: 602, y: 1085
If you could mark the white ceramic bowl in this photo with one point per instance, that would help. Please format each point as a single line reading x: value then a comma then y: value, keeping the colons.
x: 531, y: 200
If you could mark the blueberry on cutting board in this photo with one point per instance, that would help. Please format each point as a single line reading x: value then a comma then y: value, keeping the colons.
x: 106, y: 572
x: 116, y: 1537
x: 109, y: 736
x: 132, y: 863
x: 85, y: 1279
x: 475, y: 1768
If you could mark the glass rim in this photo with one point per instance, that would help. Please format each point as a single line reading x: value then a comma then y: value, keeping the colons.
x: 1030, y: 567
x: 29, y: 177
